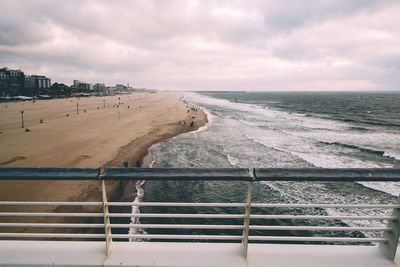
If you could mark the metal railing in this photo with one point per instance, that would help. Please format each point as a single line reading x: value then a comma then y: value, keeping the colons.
x: 105, y: 227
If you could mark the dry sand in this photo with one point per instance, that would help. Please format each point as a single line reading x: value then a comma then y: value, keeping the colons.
x: 107, y: 132
x: 93, y: 138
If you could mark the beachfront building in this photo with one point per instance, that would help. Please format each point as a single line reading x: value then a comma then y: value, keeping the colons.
x: 38, y: 84
x: 82, y: 86
x: 121, y: 87
x: 60, y: 90
x: 100, y: 88
x: 111, y: 89
x: 12, y: 82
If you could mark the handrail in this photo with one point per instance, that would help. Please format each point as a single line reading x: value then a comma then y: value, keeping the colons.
x: 39, y: 173
x: 328, y: 174
x: 190, y: 174
x: 388, y: 241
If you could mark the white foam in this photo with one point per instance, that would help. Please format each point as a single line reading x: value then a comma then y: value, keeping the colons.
x: 136, y: 210
x: 232, y: 160
x: 210, y: 118
x: 331, y: 161
x: 361, y: 223
x: 392, y: 155
x: 152, y: 163
x: 391, y: 188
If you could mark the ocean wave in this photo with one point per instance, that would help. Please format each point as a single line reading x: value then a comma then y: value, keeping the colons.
x: 391, y: 188
x: 375, y: 123
x: 392, y: 155
x: 360, y: 129
x: 285, y: 189
x: 382, y: 153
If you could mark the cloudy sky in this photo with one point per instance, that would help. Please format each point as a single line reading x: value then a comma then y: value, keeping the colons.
x: 207, y: 45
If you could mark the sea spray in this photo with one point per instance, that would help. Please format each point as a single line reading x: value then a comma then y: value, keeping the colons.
x: 136, y: 210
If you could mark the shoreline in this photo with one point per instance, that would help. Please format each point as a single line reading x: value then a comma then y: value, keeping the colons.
x: 98, y: 137
x: 143, y: 154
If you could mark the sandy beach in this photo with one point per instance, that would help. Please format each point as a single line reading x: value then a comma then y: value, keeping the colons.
x: 86, y: 132
x: 97, y: 135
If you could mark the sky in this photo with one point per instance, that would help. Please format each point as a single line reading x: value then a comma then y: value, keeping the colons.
x: 285, y: 45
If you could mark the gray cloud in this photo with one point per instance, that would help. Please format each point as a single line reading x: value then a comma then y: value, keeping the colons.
x: 237, y: 45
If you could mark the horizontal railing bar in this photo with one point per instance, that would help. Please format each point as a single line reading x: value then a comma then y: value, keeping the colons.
x: 54, y: 225
x: 199, y: 237
x: 227, y: 174
x: 320, y: 217
x: 176, y: 204
x: 202, y: 215
x: 172, y: 215
x: 186, y: 204
x: 316, y: 239
x: 318, y: 228
x: 358, y: 206
x: 197, y: 174
x: 194, y: 226
x: 48, y: 203
x: 178, y: 226
x: 49, y: 235
x: 49, y: 214
x: 28, y: 173
x: 328, y: 174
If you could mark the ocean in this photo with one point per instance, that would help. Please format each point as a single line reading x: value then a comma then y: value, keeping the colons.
x: 268, y: 129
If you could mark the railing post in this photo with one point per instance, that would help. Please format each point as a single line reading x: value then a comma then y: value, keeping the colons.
x: 245, y: 240
x: 107, y: 227
x: 389, y: 248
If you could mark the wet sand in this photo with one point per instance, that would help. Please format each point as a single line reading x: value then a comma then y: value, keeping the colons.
x: 104, y: 131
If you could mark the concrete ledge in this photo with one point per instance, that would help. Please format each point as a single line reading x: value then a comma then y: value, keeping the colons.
x: 59, y: 253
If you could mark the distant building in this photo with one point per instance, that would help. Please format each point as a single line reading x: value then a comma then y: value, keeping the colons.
x: 82, y: 86
x: 4, y: 82
x: 99, y: 87
x: 111, y: 89
x: 39, y: 84
x: 121, y: 87
x: 12, y: 82
x: 77, y: 83
x: 60, y: 90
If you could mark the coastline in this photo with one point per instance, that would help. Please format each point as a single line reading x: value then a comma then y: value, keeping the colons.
x: 148, y: 120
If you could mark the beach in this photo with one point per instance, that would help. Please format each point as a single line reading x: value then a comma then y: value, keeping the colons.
x: 86, y: 132
x: 96, y: 136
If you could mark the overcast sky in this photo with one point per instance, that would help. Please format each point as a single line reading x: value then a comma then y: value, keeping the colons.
x: 207, y: 45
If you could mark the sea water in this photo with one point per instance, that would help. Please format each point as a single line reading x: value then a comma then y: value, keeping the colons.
x: 259, y: 129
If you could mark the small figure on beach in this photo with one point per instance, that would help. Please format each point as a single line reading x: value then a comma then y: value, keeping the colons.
x: 138, y: 164
x: 126, y: 164
x: 192, y: 124
x: 41, y: 120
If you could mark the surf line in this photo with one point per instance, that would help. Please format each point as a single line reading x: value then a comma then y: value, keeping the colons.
x: 136, y: 210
